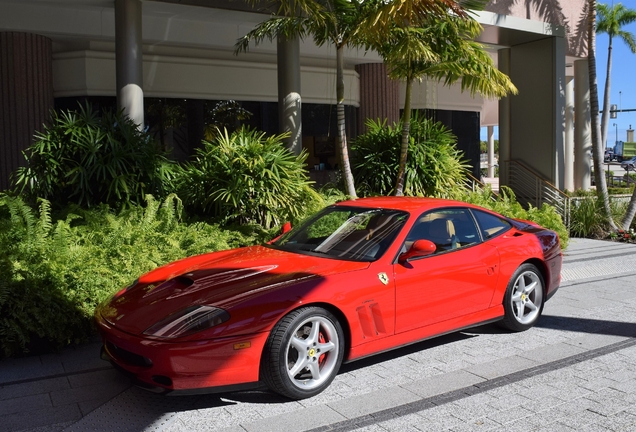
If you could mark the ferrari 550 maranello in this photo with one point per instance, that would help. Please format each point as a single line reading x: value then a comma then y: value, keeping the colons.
x: 359, y: 278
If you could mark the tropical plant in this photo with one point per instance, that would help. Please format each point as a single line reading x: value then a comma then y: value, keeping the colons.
x: 598, y: 152
x: 586, y: 218
x: 332, y: 21
x: 247, y: 177
x: 441, y: 49
x: 435, y: 167
x: 88, y: 159
x: 344, y: 23
x: 55, y: 270
x: 227, y: 114
x: 611, y: 20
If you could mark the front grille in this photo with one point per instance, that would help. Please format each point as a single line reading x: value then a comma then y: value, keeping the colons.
x: 126, y: 356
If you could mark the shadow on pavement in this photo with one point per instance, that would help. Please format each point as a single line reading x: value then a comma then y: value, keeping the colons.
x: 587, y: 325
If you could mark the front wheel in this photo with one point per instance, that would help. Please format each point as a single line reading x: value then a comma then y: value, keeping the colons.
x: 523, y: 302
x: 303, y: 353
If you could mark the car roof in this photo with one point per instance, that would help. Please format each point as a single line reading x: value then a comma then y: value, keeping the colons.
x: 410, y: 204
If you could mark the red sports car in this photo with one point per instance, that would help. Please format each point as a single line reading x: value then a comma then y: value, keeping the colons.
x: 359, y: 278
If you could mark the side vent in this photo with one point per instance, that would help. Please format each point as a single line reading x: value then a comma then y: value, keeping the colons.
x: 370, y: 319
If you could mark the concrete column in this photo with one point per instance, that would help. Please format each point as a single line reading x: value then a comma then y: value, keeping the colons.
x: 560, y: 82
x: 504, y: 120
x: 289, y: 99
x: 379, y: 95
x: 537, y: 113
x: 129, y: 59
x: 26, y: 96
x: 582, y: 127
x: 491, y: 151
x: 568, y: 175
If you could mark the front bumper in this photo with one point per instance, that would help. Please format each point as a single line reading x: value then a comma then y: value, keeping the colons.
x: 184, y: 366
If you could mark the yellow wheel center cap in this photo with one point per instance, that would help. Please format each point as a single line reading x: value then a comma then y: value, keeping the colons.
x: 312, y: 352
x: 523, y: 297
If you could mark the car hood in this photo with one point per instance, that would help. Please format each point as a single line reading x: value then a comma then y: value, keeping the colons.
x: 218, y: 279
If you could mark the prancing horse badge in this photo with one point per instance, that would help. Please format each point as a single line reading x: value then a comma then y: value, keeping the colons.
x: 383, y: 278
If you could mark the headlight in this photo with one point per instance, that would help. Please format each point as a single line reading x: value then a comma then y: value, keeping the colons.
x: 187, y: 321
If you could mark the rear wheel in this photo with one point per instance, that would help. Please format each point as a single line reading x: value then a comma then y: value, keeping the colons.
x: 523, y: 302
x: 303, y: 353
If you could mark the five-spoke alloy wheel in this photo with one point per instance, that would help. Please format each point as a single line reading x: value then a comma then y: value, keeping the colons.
x: 523, y: 302
x: 303, y: 353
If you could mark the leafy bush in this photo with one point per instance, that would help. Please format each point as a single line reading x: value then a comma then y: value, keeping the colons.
x: 54, y: 272
x: 246, y: 177
x: 587, y: 217
x: 87, y: 159
x: 434, y: 167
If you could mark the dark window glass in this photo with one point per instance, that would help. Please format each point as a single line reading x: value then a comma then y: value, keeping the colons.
x: 449, y: 229
x: 491, y: 225
x: 350, y: 233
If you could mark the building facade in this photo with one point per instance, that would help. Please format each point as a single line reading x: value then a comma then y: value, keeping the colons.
x: 144, y: 56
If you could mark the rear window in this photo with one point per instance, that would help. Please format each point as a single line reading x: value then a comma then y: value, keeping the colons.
x: 491, y: 225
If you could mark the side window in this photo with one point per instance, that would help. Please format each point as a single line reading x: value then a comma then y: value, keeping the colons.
x: 491, y: 225
x: 449, y: 229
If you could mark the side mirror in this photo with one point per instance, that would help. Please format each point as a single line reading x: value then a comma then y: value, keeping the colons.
x: 419, y: 248
x: 284, y: 229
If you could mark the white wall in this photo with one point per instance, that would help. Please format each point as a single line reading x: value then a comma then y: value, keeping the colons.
x: 92, y: 73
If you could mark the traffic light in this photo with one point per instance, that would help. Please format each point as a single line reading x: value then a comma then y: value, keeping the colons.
x: 613, y: 110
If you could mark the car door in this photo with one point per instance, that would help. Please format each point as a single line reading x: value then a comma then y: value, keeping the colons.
x: 457, y: 279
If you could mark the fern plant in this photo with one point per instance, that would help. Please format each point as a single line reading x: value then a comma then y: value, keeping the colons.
x: 55, y: 270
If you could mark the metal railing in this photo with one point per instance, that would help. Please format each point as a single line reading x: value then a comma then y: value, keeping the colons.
x: 472, y: 183
x: 530, y: 188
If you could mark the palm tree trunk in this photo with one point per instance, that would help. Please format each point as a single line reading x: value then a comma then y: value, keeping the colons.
x: 606, y: 97
x: 597, y: 150
x: 630, y: 213
x: 342, y: 136
x: 404, y: 149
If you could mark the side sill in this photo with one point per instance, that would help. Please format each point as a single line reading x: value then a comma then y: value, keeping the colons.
x: 489, y: 321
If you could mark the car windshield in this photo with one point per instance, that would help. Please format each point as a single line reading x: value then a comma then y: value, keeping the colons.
x: 350, y: 233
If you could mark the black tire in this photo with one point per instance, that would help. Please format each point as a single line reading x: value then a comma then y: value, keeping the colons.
x: 315, y: 332
x: 524, y: 299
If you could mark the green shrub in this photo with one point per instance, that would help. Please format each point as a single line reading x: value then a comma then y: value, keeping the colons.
x: 619, y: 190
x: 54, y: 272
x: 434, y: 167
x: 586, y: 217
x: 87, y: 159
x: 246, y: 177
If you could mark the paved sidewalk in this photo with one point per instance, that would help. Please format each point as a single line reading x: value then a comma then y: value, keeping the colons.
x: 576, y: 370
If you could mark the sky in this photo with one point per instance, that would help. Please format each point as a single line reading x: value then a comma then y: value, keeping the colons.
x: 623, y: 80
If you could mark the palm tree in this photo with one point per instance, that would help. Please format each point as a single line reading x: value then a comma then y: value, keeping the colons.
x: 597, y: 145
x: 441, y: 49
x: 338, y: 22
x: 333, y: 21
x: 610, y: 20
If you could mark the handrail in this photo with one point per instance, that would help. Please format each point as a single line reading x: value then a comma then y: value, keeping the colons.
x: 531, y: 188
x: 473, y: 182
